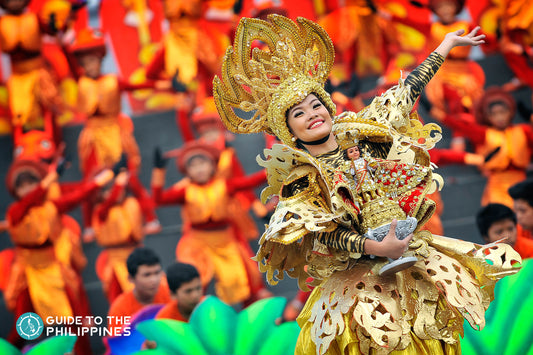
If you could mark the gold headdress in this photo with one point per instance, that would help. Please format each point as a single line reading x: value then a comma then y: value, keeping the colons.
x: 296, y: 63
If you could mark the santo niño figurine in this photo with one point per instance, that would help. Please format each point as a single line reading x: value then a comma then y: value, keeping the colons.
x: 371, y: 198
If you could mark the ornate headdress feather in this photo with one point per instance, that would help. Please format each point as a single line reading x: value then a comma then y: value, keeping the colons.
x: 296, y: 62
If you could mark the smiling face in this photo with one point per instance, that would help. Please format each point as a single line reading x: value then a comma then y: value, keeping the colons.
x: 310, y: 120
x: 353, y: 153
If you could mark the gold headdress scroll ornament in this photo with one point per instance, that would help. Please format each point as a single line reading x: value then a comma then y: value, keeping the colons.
x: 295, y: 62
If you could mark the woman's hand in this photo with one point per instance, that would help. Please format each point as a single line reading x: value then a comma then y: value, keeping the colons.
x: 390, y: 246
x: 455, y: 39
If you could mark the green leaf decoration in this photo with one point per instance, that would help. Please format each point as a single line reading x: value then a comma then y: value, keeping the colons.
x: 509, y: 327
x: 255, y: 323
x: 54, y: 345
x: 216, y: 329
x: 214, y: 323
x: 172, y: 336
x: 152, y: 352
x: 7, y: 349
x: 282, y: 340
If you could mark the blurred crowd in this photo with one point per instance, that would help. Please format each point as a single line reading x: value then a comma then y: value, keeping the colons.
x: 55, y: 77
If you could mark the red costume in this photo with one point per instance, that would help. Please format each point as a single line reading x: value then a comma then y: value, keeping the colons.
x: 40, y: 281
x: 108, y: 133
x: 191, y: 50
x: 33, y: 92
x: 465, y: 76
x: 117, y: 222
x: 508, y: 151
x: 210, y: 243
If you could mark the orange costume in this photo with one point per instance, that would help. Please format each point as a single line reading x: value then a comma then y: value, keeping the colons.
x: 108, y: 133
x: 170, y: 311
x: 32, y: 91
x: 42, y: 279
x: 524, y: 242
x: 118, y: 228
x: 210, y: 243
x: 127, y: 305
x: 191, y: 50
x: 463, y: 75
x: 507, y: 151
x: 517, y: 39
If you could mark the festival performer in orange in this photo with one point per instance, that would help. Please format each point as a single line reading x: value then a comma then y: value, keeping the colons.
x: 190, y: 53
x: 33, y: 91
x: 210, y: 130
x: 459, y: 72
x: 210, y: 244
x: 108, y: 133
x: 516, y: 42
x: 118, y: 225
x: 506, y: 147
x: 39, y: 281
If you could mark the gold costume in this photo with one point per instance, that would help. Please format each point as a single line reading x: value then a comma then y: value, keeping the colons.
x: 317, y: 226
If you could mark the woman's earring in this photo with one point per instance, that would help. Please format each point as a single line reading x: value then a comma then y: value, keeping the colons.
x: 293, y: 139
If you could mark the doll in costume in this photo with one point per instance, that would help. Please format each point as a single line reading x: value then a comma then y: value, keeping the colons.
x: 209, y: 240
x: 316, y: 228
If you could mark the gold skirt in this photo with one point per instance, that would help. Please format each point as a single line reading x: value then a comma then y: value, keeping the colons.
x: 419, y: 310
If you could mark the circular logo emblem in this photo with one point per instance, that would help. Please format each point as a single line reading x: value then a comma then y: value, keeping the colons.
x: 30, y: 326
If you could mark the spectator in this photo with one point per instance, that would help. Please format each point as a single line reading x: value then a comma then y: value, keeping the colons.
x: 496, y: 221
x: 185, y: 290
x: 144, y: 269
x: 522, y: 194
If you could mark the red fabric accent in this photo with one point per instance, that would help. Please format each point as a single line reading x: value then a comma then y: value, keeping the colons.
x: 144, y: 198
x: 467, y: 127
x: 170, y: 196
x: 102, y: 210
x: 242, y: 183
x: 184, y: 125
x: 157, y: 65
x: 71, y: 200
x: 446, y: 156
x: 18, y: 210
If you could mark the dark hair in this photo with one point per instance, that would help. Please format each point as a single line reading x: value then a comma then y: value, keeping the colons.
x: 491, y: 105
x: 490, y: 214
x: 180, y: 273
x: 25, y: 177
x: 523, y: 191
x: 141, y: 256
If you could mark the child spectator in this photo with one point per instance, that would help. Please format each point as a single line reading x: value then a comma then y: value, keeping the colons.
x: 496, y: 221
x: 185, y: 290
x: 522, y: 194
